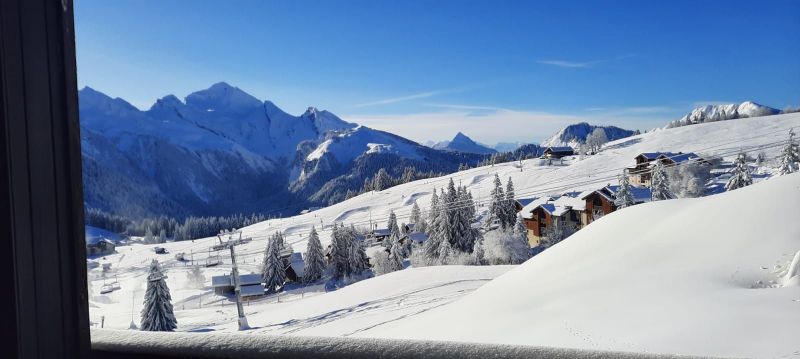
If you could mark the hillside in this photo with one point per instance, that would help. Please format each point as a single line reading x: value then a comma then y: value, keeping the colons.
x: 641, y: 260
x: 575, y: 135
x: 697, y: 276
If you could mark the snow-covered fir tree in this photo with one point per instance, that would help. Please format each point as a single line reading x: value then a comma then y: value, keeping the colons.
x: 314, y: 265
x: 415, y: 215
x: 157, y: 314
x: 195, y: 277
x: 520, y: 232
x: 340, y: 252
x: 148, y: 236
x: 496, y: 213
x: 659, y: 183
x: 273, y: 272
x: 162, y: 236
x: 394, y: 229
x: 358, y: 259
x: 381, y: 181
x: 741, y: 174
x: 431, y: 246
x: 790, y: 156
x: 396, y: 256
x: 444, y: 253
x: 624, y: 197
x: 509, y: 209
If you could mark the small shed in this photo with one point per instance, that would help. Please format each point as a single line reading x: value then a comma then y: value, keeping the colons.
x: 100, y: 247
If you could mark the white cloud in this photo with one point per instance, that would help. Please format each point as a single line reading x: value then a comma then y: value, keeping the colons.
x: 489, y: 125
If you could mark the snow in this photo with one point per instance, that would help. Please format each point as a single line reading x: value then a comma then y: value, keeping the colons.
x: 711, y: 113
x: 682, y: 269
x: 687, y: 276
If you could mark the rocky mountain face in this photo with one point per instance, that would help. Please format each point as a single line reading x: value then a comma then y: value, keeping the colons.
x: 222, y: 151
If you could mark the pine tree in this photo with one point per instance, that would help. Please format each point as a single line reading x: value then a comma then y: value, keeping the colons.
x: 431, y: 246
x: 520, y: 232
x: 496, y: 213
x: 452, y: 213
x: 509, y: 209
x: 157, y: 314
x: 741, y: 174
x: 357, y: 256
x: 382, y: 180
x: 624, y: 197
x: 273, y: 272
x: 659, y: 184
x: 162, y: 236
x: 396, y: 256
x: 340, y: 254
x: 790, y: 157
x: 415, y: 215
x: 148, y: 236
x: 314, y: 265
x: 444, y: 253
x: 394, y: 230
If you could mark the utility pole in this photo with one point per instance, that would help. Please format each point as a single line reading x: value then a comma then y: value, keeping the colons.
x: 235, y: 276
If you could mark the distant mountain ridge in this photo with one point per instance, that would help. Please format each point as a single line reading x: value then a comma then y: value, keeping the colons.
x: 222, y: 151
x: 462, y: 143
x: 575, y: 135
x: 713, y: 113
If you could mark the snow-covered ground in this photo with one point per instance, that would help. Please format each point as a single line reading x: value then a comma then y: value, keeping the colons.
x: 700, y: 276
x: 674, y: 276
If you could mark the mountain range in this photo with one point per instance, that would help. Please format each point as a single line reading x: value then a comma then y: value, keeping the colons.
x: 222, y: 151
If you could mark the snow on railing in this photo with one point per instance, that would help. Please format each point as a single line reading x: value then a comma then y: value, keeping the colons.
x: 240, y: 346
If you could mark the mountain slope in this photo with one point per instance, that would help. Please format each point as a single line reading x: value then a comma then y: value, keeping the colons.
x: 663, y: 277
x: 575, y: 135
x: 712, y: 113
x: 462, y: 143
x: 222, y: 151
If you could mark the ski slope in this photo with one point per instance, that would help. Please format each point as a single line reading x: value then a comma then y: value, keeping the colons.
x: 602, y: 271
x: 705, y: 276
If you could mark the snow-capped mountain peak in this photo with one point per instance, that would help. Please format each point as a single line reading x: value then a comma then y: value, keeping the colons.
x: 575, y: 135
x: 462, y: 143
x: 723, y: 112
x: 222, y: 96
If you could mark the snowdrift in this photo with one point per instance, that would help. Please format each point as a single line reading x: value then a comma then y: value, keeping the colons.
x: 702, y: 276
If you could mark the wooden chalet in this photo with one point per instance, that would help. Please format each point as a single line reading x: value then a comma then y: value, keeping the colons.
x: 641, y: 173
x: 564, y: 210
x: 558, y: 152
x: 601, y: 202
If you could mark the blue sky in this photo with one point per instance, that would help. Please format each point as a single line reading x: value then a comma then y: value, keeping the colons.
x: 496, y: 70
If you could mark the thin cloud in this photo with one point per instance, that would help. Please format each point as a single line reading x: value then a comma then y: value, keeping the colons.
x: 568, y: 64
x: 399, y: 99
x: 415, y: 96
x: 467, y: 107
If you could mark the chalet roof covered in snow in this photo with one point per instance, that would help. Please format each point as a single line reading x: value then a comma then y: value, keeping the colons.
x: 653, y: 155
x: 297, y: 264
x: 525, y: 201
x: 251, y: 290
x: 560, y: 149
x: 640, y: 194
x: 418, y: 237
x: 680, y: 157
